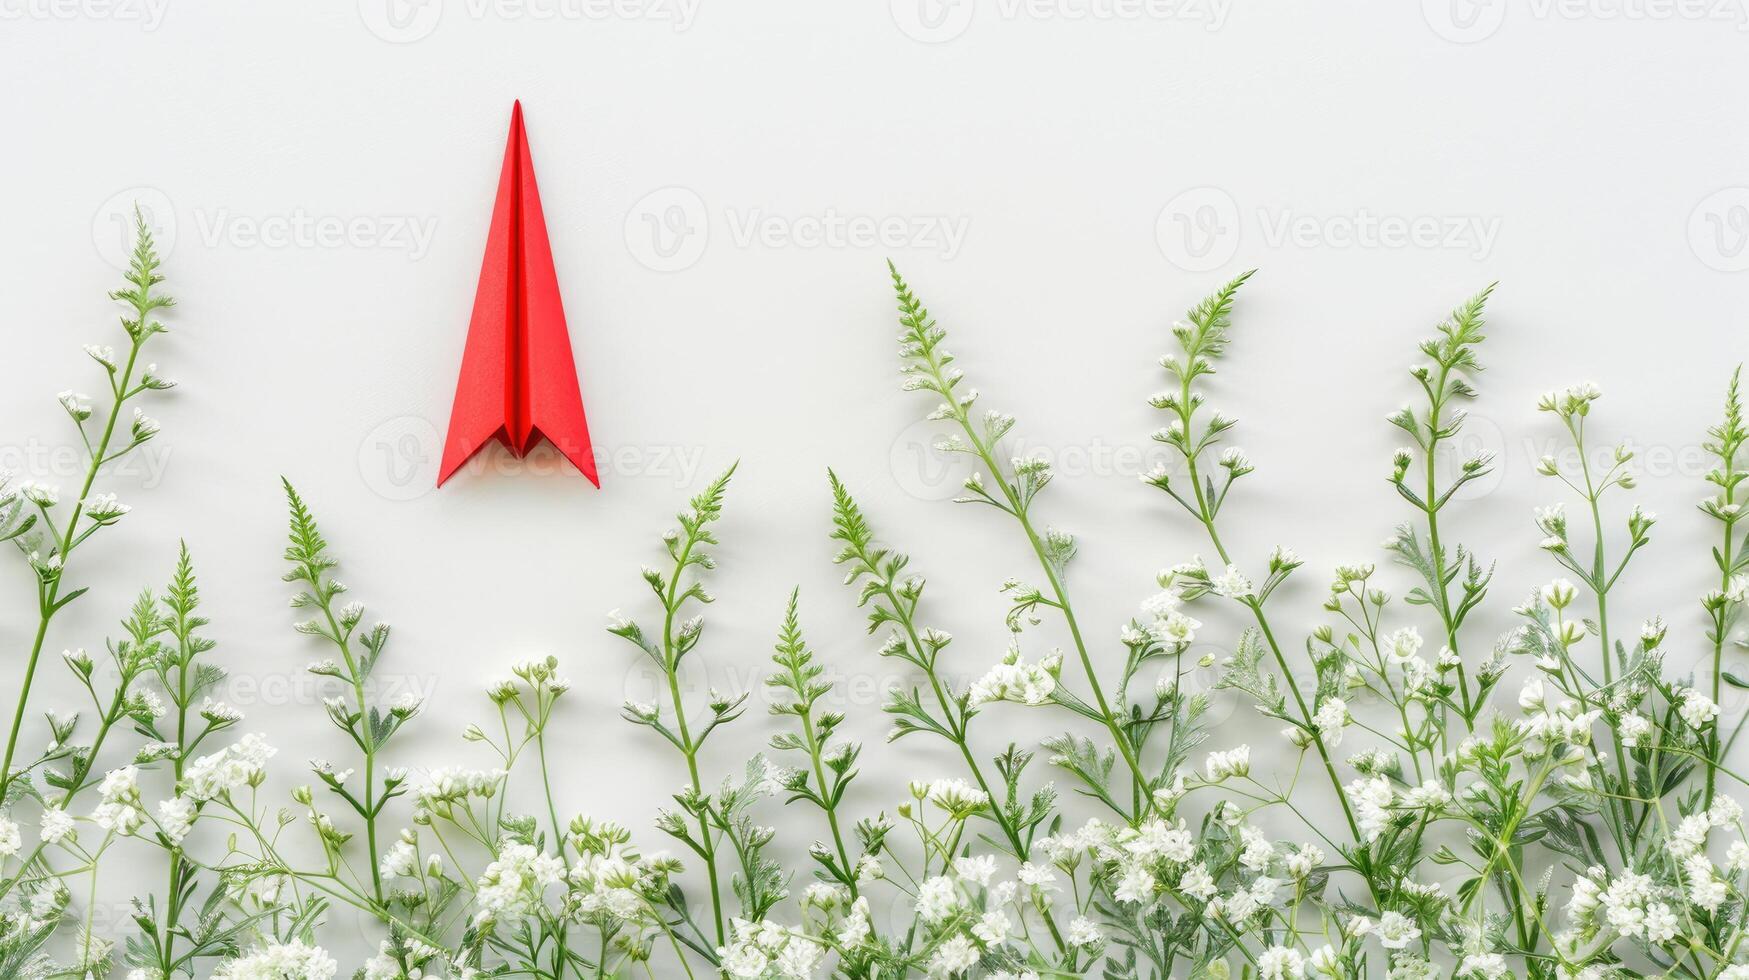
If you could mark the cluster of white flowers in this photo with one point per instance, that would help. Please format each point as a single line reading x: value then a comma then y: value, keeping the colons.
x: 295, y: 960
x: 176, y: 817
x: 11, y: 838
x: 1232, y: 583
x: 1571, y: 400
x: 1697, y: 709
x: 104, y: 508
x: 1545, y: 727
x: 1330, y: 718
x: 119, y: 808
x: 610, y: 881
x: 242, y: 764
x: 450, y: 786
x: 1631, y: 907
x: 55, y: 825
x: 386, y: 964
x: 515, y: 883
x: 956, y: 796
x: 1370, y: 798
x: 1229, y: 762
x: 1018, y: 681
x: 1163, y: 619
x: 402, y: 859
x: 977, y: 911
x: 765, y: 949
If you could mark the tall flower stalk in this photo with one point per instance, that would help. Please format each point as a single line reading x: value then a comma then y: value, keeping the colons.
x: 830, y: 767
x: 1599, y: 577
x: 928, y: 367
x: 106, y: 437
x: 367, y: 724
x: 719, y: 818
x: 1202, y: 340
x: 1725, y: 603
x: 171, y: 943
x: 1445, y: 382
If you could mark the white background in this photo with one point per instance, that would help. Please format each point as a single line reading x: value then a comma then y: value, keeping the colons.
x: 1058, y: 179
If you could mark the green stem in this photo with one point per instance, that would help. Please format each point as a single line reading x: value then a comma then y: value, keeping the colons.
x: 671, y: 666
x: 48, y: 595
x: 185, y: 656
x: 1721, y: 621
x: 368, y: 739
x: 1600, y: 586
x: 1432, y: 505
x: 826, y: 794
x: 540, y: 745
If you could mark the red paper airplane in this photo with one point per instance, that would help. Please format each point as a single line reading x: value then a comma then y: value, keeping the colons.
x: 518, y: 382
